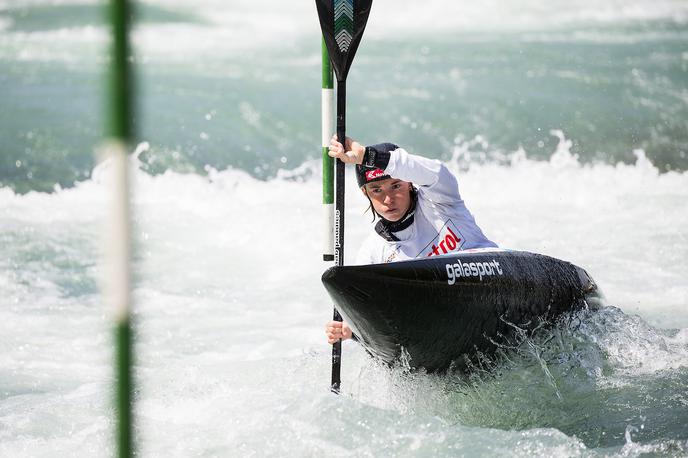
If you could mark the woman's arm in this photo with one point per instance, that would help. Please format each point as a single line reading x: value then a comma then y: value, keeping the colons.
x: 430, y: 175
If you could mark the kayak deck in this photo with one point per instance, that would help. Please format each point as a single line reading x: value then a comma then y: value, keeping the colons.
x: 440, y: 308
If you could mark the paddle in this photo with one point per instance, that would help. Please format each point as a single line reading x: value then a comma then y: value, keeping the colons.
x: 342, y: 23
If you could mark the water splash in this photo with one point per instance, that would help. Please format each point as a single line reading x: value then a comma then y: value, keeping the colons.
x: 568, y: 377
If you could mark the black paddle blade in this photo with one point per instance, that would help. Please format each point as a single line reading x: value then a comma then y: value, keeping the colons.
x: 342, y: 23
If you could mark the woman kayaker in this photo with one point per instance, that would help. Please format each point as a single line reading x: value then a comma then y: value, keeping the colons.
x: 417, y: 200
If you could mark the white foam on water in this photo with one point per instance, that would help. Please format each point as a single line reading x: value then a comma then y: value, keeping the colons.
x: 400, y: 18
x: 229, y: 308
x: 635, y: 348
x: 216, y: 30
x: 67, y: 45
x: 392, y: 18
x: 620, y: 222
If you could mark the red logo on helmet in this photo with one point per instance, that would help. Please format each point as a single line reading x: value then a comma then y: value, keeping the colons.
x: 372, y: 174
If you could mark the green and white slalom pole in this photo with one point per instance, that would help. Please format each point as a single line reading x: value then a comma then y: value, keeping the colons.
x: 117, y: 283
x: 327, y: 161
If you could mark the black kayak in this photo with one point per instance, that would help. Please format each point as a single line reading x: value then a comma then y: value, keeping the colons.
x: 443, y: 308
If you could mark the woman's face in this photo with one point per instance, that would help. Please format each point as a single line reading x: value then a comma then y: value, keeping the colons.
x: 391, y: 198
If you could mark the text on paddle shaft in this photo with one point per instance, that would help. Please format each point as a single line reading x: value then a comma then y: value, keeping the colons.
x: 337, y: 242
x: 472, y: 269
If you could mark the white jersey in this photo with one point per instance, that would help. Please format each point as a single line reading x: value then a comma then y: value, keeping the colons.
x: 441, y: 224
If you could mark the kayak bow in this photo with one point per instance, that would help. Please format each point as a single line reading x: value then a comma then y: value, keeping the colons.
x: 443, y: 307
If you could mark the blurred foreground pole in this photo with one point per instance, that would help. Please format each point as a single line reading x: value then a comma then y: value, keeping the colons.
x: 327, y: 161
x: 118, y: 239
